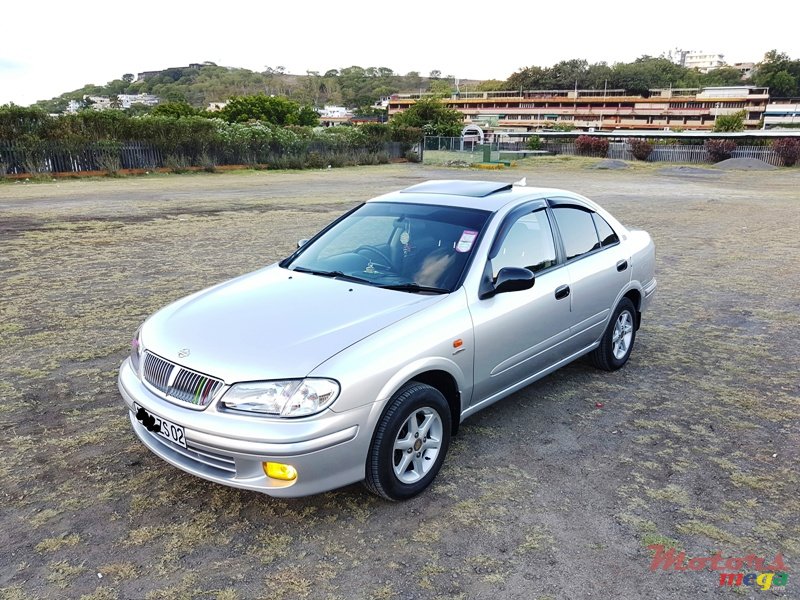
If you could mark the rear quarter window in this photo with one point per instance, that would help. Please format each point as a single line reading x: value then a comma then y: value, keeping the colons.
x: 607, y: 235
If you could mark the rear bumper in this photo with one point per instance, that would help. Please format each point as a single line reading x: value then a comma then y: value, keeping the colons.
x: 328, y: 450
x: 648, y: 291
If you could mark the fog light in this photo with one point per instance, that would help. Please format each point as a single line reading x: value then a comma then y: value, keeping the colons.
x: 280, y: 471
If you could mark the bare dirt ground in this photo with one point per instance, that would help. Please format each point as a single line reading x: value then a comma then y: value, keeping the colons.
x: 543, y: 495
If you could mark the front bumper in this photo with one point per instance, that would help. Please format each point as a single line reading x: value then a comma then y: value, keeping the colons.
x: 328, y: 450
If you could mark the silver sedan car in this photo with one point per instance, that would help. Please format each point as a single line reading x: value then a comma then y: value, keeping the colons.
x: 357, y: 357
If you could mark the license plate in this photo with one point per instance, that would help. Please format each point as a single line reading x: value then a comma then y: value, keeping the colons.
x: 166, y: 429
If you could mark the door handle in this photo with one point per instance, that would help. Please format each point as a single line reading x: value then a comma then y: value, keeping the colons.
x: 622, y: 265
x: 562, y: 291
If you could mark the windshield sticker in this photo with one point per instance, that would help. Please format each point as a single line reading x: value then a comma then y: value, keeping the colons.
x: 467, y: 239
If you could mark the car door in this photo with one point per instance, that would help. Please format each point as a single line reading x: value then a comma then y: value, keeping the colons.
x: 520, y: 333
x: 598, y: 269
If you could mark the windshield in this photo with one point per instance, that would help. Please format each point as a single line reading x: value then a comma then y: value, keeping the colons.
x: 412, y: 247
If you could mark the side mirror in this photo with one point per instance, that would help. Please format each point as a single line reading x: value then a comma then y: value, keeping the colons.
x: 512, y: 279
x: 301, y: 243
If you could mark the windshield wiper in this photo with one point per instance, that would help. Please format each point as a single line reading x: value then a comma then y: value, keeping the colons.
x: 415, y: 288
x: 333, y: 274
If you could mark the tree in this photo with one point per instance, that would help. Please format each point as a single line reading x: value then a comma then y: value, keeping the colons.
x: 441, y: 88
x: 732, y: 122
x: 138, y: 109
x: 272, y: 109
x: 646, y: 73
x: 432, y: 116
x: 491, y: 85
x: 567, y: 74
x: 175, y: 109
x: 307, y: 116
x: 779, y: 73
x: 435, y: 74
x: 721, y: 77
x: 128, y: 78
x: 781, y: 83
x: 527, y: 78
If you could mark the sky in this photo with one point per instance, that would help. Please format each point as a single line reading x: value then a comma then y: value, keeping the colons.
x: 51, y: 47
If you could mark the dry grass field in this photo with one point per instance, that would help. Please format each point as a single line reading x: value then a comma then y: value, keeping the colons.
x: 543, y: 495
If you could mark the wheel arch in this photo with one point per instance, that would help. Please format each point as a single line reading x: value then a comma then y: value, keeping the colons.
x: 447, y: 385
x: 443, y: 374
x: 635, y: 296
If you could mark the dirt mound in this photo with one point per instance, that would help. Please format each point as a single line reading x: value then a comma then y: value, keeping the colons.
x: 609, y: 163
x: 744, y: 164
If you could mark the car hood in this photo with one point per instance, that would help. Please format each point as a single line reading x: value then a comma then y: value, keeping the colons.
x: 273, y: 323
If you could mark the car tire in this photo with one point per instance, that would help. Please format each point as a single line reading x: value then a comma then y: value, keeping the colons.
x: 617, y: 341
x: 409, y: 443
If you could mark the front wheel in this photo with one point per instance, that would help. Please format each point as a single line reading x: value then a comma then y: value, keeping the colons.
x: 410, y: 443
x: 617, y: 343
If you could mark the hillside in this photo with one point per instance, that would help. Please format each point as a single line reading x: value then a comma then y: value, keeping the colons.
x: 203, y: 83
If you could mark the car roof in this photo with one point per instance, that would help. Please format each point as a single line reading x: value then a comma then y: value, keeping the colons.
x: 484, y: 195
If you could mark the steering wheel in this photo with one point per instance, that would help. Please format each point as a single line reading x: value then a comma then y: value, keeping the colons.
x: 377, y: 252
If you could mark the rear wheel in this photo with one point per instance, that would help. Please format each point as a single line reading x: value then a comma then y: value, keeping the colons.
x: 617, y: 343
x: 410, y: 443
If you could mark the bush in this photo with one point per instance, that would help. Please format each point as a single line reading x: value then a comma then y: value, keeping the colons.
x: 412, y: 156
x: 641, y: 149
x: 534, y: 143
x: 788, y: 149
x: 587, y: 145
x: 177, y: 163
x: 719, y: 150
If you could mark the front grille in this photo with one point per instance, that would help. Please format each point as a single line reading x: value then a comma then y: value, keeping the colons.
x: 179, y: 382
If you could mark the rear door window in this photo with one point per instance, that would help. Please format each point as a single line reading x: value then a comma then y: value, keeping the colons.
x: 577, y: 231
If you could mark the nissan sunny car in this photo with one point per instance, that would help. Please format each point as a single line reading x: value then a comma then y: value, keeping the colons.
x: 357, y: 357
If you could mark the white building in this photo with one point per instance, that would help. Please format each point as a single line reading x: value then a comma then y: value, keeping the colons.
x: 691, y: 59
x: 704, y: 61
x: 779, y: 115
x: 334, y: 112
x: 106, y: 102
x: 128, y: 100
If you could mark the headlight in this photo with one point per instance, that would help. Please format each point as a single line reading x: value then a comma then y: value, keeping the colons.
x: 136, y: 350
x: 290, y: 398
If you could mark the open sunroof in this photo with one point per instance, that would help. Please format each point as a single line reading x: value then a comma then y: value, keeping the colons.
x: 475, y: 189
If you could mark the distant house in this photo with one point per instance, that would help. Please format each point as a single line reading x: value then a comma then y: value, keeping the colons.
x: 128, y: 100
x: 691, y: 59
x: 108, y: 102
x: 745, y: 68
x: 216, y: 106
x: 330, y: 116
x: 704, y: 61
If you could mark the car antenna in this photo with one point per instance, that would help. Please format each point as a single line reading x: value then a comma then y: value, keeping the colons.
x: 521, y: 183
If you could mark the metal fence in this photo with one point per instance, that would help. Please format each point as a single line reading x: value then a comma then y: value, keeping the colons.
x: 53, y: 157
x: 50, y: 157
x: 457, y: 144
x: 673, y: 153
